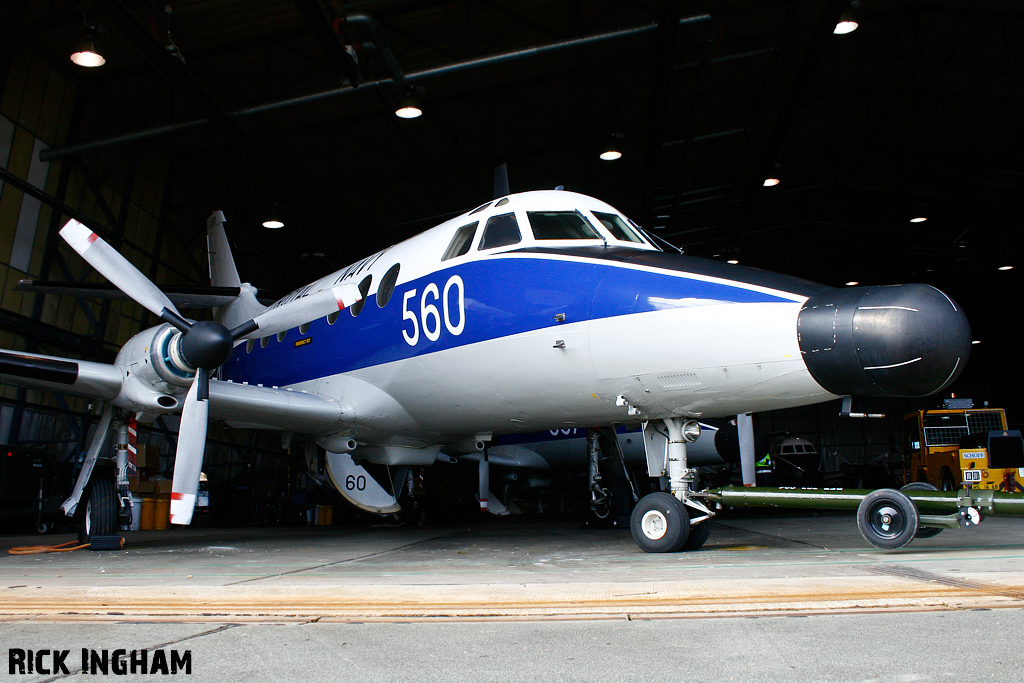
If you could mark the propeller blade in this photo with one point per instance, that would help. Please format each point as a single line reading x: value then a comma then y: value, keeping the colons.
x: 298, y: 311
x: 188, y: 461
x: 120, y: 271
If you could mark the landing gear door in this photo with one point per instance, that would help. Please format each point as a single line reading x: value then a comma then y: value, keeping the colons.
x: 358, y: 487
x: 656, y: 448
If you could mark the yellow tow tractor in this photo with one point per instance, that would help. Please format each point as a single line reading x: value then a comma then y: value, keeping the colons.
x: 959, y: 446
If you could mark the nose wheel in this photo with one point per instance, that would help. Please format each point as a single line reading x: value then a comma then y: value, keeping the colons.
x: 660, y: 523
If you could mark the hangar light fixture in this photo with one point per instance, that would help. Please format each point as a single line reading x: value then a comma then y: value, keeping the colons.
x: 409, y: 107
x: 771, y: 182
x: 274, y: 219
x: 610, y: 154
x: 611, y: 150
x: 919, y: 219
x: 847, y: 23
x: 86, y: 52
x: 1005, y: 267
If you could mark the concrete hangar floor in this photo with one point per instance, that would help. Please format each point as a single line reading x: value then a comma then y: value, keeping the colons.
x: 773, y: 595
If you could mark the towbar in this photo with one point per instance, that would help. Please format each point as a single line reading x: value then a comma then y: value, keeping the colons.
x: 987, y: 501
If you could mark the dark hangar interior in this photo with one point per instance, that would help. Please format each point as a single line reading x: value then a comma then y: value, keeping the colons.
x: 288, y: 107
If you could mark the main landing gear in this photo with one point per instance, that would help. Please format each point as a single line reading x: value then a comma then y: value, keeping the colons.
x: 613, y: 491
x: 100, y: 502
x: 668, y: 521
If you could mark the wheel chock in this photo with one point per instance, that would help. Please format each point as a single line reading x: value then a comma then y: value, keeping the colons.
x: 106, y: 543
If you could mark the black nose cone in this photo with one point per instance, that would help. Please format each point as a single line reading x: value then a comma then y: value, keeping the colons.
x: 899, y: 340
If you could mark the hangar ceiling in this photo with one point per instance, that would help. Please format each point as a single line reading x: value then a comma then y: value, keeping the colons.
x: 256, y: 103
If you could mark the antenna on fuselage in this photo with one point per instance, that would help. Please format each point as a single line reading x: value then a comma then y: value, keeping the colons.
x: 501, y: 181
x: 654, y: 238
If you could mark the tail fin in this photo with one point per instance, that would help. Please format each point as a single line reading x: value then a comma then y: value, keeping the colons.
x: 223, y: 273
x: 222, y: 264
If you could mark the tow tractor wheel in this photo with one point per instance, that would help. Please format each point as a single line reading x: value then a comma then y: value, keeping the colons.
x: 923, y: 531
x: 101, y: 506
x: 660, y: 523
x: 887, y: 519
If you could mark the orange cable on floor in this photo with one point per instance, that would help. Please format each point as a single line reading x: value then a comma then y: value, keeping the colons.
x: 61, y: 548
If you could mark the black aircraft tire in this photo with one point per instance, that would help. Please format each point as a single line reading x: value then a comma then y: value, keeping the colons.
x: 660, y: 523
x: 887, y: 519
x: 923, y: 531
x: 699, y: 533
x: 99, y: 517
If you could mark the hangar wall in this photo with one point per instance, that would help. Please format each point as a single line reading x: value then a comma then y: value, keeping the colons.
x: 122, y: 193
x: 126, y: 194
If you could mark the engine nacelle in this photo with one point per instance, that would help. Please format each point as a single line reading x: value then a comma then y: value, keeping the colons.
x: 156, y: 377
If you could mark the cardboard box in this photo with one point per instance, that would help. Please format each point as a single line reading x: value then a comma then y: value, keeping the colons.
x: 148, y: 457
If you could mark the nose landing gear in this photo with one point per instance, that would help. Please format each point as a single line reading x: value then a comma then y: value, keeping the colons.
x: 668, y: 521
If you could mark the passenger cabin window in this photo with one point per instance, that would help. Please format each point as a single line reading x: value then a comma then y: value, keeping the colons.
x: 462, y: 241
x: 561, y: 225
x: 364, y: 289
x: 387, y: 285
x: 500, y: 231
x: 619, y: 229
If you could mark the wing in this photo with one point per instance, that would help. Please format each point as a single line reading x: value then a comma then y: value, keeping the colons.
x: 62, y: 375
x: 240, y: 405
x: 243, y: 405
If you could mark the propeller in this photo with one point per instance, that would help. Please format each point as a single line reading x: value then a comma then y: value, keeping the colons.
x: 202, y: 347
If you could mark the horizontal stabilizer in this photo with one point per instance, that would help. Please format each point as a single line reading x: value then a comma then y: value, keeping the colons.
x: 184, y: 297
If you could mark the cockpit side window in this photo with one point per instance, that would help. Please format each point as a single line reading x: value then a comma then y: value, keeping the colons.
x: 462, y: 241
x: 619, y: 229
x: 500, y: 231
x: 561, y: 225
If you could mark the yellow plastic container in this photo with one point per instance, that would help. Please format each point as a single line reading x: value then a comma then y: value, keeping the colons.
x: 162, y: 515
x: 148, y: 514
x: 324, y: 515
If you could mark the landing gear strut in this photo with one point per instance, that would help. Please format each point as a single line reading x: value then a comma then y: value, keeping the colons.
x: 613, y: 491
x: 664, y: 522
x: 95, y: 503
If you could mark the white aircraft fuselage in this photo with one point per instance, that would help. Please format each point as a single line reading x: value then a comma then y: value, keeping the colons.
x: 542, y: 334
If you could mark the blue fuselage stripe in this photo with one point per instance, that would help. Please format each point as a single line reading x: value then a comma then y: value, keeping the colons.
x: 502, y: 297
